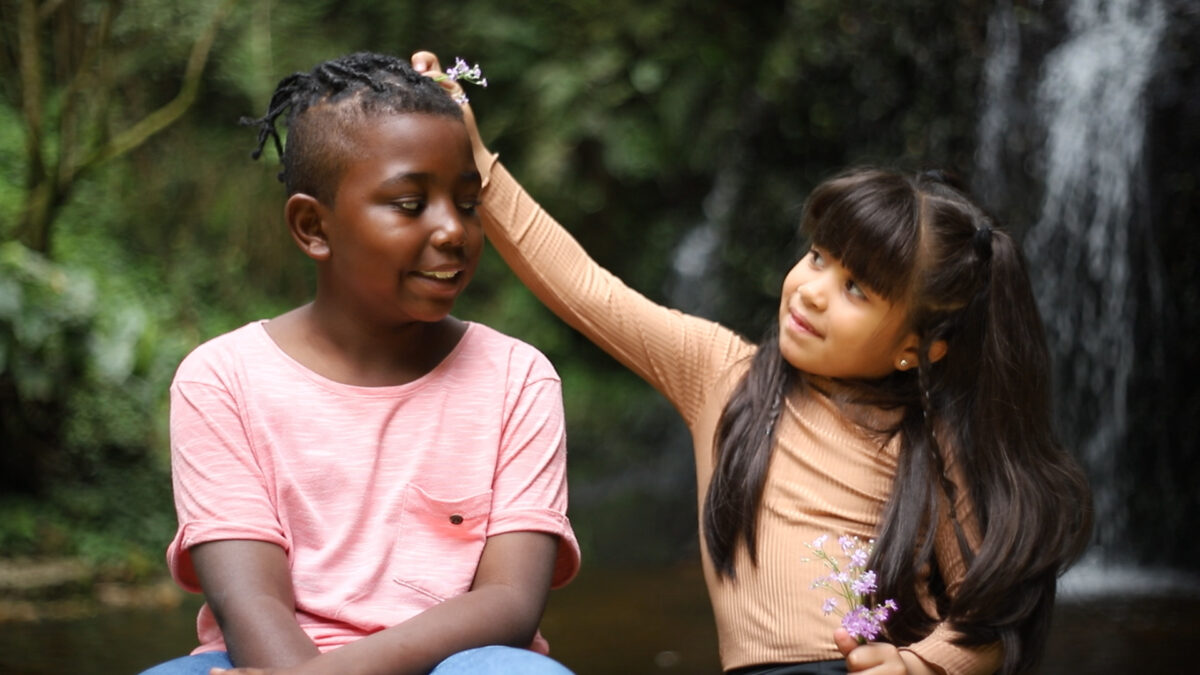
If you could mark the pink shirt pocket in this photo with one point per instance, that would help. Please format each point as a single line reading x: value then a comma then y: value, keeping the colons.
x: 439, y: 542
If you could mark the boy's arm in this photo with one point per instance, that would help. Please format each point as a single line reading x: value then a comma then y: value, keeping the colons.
x: 248, y: 586
x: 503, y: 607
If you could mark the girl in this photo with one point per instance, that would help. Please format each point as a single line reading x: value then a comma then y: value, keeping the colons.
x: 900, y: 396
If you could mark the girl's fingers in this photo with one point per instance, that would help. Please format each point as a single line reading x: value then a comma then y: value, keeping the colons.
x: 423, y: 61
x: 427, y: 64
x: 845, y: 643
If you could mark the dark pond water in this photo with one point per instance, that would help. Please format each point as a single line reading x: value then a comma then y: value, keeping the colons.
x: 633, y: 622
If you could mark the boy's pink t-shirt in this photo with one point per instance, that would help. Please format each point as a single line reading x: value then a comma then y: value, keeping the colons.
x: 381, y: 497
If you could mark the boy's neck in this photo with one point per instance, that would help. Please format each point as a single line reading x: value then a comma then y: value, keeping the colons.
x: 350, y: 354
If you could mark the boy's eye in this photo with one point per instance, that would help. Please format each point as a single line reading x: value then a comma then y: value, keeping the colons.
x: 409, y: 205
x: 817, y: 258
x: 469, y: 205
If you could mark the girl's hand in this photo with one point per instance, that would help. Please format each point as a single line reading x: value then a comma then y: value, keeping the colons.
x: 878, y: 658
x: 427, y: 64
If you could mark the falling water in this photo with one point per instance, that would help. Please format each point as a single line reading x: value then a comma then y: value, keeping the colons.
x: 999, y: 82
x: 1091, y: 105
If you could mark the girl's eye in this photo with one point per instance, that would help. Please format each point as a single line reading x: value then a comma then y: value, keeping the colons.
x: 469, y: 205
x: 410, y: 205
x: 817, y: 259
x: 854, y: 289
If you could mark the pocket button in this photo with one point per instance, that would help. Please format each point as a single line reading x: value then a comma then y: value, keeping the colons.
x: 456, y: 519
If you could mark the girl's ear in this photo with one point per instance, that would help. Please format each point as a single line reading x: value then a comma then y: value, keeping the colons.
x: 306, y: 221
x: 908, y: 355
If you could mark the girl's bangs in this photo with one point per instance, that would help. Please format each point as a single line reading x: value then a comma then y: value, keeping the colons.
x: 872, y: 232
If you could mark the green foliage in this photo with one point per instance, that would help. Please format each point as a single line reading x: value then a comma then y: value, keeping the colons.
x: 46, y: 312
x: 83, y: 389
x: 11, y: 166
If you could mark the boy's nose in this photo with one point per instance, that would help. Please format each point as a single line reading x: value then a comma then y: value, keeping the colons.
x: 450, y: 230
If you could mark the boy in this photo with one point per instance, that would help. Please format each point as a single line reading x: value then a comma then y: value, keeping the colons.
x: 365, y: 483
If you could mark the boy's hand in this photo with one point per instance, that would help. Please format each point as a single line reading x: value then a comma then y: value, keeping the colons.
x: 427, y: 64
x: 878, y: 658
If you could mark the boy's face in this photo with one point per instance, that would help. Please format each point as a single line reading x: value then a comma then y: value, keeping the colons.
x: 404, y: 238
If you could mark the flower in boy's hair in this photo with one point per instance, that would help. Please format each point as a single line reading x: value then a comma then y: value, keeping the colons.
x: 853, y: 583
x: 461, y: 72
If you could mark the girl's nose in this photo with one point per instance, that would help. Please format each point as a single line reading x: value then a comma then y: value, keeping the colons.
x: 813, y: 293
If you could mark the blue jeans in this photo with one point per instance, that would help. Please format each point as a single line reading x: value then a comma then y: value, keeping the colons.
x: 196, y: 664
x: 494, y: 660
x: 497, y: 660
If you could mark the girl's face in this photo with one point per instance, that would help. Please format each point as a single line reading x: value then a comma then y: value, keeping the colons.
x: 831, y: 326
x: 404, y: 238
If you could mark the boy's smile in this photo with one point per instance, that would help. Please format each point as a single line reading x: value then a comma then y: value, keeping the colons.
x: 403, y: 236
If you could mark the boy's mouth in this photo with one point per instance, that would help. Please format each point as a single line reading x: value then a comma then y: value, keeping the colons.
x: 440, y: 275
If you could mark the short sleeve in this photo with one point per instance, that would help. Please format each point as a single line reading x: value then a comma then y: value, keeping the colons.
x: 530, y: 486
x: 220, y: 488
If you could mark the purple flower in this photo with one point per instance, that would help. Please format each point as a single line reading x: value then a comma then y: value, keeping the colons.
x: 461, y: 71
x: 864, y: 584
x: 855, y: 585
x: 862, y: 624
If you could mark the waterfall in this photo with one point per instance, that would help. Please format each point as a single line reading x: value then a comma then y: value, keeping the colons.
x: 996, y: 118
x: 1091, y: 106
x: 1092, y: 99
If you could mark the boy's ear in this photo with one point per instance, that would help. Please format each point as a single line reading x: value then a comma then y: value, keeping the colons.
x: 305, y: 216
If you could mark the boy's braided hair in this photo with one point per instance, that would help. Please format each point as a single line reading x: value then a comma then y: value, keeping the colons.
x: 322, y: 105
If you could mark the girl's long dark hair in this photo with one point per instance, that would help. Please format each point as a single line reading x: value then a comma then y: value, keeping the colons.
x: 985, y: 406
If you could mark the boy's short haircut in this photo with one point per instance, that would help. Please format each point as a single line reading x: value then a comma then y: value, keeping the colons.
x: 322, y: 106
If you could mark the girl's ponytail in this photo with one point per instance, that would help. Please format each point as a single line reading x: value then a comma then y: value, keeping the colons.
x: 1032, y: 499
x: 987, y: 409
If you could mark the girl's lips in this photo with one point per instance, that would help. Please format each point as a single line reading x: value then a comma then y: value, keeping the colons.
x: 803, y: 323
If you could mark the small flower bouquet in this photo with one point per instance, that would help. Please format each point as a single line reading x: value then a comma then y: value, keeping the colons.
x: 854, y: 585
x: 460, y: 71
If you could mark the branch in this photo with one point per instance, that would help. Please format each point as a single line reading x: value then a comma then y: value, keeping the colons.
x: 165, y: 116
x: 30, y: 65
x: 93, y: 49
x: 48, y: 9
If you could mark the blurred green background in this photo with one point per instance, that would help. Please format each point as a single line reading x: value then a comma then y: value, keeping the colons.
x: 135, y: 224
x: 677, y: 140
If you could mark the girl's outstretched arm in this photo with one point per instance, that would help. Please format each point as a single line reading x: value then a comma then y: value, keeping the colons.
x: 674, y: 352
